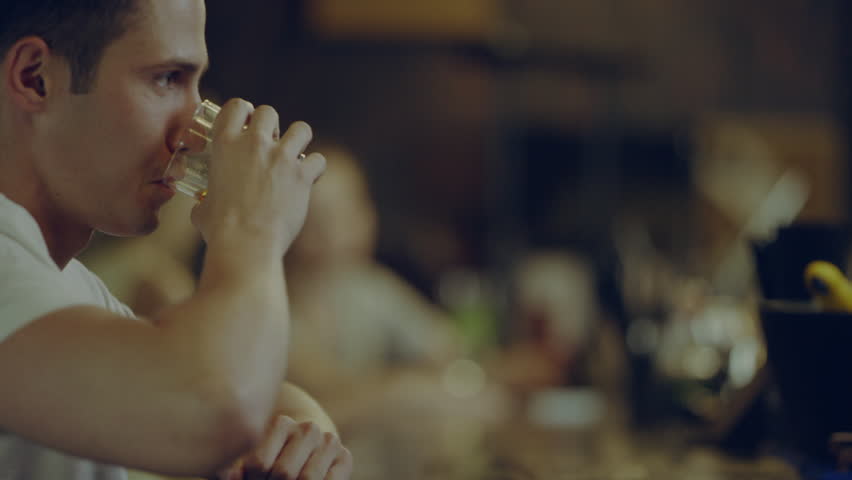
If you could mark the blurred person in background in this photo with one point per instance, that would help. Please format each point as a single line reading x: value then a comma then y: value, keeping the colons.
x: 360, y: 327
x: 93, y: 98
x: 555, y: 314
x: 559, y: 335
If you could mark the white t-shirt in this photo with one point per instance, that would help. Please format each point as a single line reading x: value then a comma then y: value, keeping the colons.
x: 31, y: 285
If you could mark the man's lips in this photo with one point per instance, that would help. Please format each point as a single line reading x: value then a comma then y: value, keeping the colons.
x: 166, y: 182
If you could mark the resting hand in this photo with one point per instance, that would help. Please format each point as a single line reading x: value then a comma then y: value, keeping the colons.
x: 291, y: 451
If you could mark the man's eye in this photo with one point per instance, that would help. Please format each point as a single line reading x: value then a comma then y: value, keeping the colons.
x: 168, y: 79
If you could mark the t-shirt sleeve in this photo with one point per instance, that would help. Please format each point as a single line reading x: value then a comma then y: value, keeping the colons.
x: 28, y: 291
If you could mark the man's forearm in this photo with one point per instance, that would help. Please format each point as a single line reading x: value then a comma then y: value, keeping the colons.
x: 235, y: 330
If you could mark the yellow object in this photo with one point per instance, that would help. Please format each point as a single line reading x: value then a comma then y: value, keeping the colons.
x: 829, y: 286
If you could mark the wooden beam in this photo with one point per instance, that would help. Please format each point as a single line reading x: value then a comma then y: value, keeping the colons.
x: 443, y: 20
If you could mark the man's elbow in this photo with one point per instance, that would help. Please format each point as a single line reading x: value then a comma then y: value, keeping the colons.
x: 234, y: 427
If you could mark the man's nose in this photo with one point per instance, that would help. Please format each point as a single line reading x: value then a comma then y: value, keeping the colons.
x: 190, y: 106
x: 195, y: 98
x: 183, y: 123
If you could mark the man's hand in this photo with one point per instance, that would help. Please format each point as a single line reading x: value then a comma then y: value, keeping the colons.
x: 259, y: 184
x: 291, y: 451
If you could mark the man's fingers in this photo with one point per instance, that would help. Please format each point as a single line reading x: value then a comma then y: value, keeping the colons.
x: 260, y: 461
x: 296, y: 139
x: 234, y: 115
x: 234, y: 472
x: 290, y: 450
x: 320, y: 461
x: 264, y: 122
x: 313, y: 166
x: 296, y: 452
x: 342, y: 467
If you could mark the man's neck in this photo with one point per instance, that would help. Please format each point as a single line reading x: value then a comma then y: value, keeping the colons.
x: 64, y: 237
x: 20, y: 182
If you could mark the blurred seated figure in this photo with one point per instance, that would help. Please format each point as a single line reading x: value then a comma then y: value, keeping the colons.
x: 357, y: 326
x: 553, y: 314
x: 558, y: 336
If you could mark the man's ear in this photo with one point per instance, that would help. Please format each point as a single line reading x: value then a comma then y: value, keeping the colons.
x: 25, y: 73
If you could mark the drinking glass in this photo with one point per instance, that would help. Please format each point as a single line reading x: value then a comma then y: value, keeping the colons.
x: 190, y: 161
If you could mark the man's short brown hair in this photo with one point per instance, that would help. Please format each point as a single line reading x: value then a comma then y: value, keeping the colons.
x: 77, y: 30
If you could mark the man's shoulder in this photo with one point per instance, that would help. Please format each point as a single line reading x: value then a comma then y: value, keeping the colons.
x: 30, y: 289
x: 15, y: 255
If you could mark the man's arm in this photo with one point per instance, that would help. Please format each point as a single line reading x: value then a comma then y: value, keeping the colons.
x: 193, y: 390
x: 301, y: 441
x: 183, y: 397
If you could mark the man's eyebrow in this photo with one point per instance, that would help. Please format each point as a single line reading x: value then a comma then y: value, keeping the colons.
x: 185, y: 65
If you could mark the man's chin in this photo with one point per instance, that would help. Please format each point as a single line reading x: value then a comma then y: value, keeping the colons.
x: 141, y: 227
x: 149, y: 224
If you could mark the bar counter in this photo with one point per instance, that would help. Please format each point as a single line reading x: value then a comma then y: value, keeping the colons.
x: 420, y: 448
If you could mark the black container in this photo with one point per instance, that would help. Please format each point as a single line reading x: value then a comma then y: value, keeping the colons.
x: 781, y: 263
x: 810, y: 358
